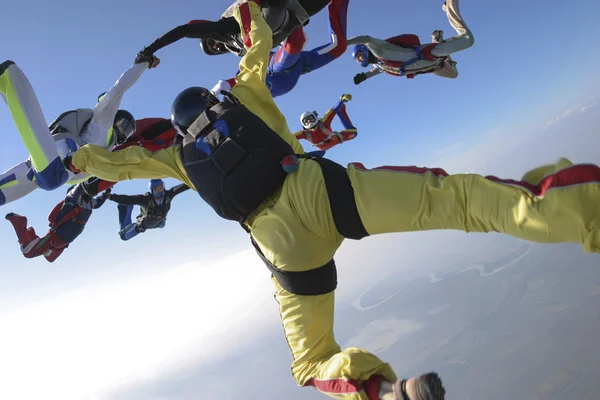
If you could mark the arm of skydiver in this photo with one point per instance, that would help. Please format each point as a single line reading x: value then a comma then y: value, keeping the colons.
x: 383, y: 49
x: 94, y: 185
x: 147, y: 129
x: 196, y: 29
x: 328, y: 117
x: 300, y: 135
x: 332, y: 112
x: 130, y: 163
x: 107, y: 107
x: 98, y: 201
x: 175, y: 190
x: 342, y: 114
x: 250, y: 88
x: 152, y: 134
x: 225, y: 85
x: 363, y: 76
x: 137, y: 200
x: 362, y: 39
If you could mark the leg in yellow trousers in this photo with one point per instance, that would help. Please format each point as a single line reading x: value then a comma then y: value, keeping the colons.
x: 556, y: 203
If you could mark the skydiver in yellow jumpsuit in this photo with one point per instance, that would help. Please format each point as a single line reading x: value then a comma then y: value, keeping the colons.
x: 299, y: 209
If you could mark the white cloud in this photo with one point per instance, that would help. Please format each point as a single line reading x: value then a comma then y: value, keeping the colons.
x: 591, y: 105
x: 95, y: 339
x: 559, y: 118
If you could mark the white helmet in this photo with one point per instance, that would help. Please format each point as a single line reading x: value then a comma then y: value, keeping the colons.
x: 309, y: 119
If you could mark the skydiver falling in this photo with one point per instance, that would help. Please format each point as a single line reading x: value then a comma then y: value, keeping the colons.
x: 318, y: 131
x: 404, y: 55
x: 289, y: 62
x: 234, y: 153
x: 224, y: 36
x: 105, y: 125
x: 67, y: 221
x: 154, y: 207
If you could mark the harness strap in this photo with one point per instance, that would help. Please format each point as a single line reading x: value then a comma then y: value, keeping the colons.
x: 66, y: 217
x: 341, y: 199
x: 315, y: 282
x: 413, y: 60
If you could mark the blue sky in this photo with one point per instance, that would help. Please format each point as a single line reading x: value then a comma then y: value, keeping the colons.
x: 531, y: 63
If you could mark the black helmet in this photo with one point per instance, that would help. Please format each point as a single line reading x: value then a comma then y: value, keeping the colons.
x: 124, y: 126
x: 188, y: 105
x: 212, y: 47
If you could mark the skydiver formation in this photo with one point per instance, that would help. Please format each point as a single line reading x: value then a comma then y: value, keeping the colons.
x: 234, y: 147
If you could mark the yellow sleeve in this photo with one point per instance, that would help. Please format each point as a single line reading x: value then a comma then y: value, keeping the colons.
x: 250, y: 88
x: 131, y: 163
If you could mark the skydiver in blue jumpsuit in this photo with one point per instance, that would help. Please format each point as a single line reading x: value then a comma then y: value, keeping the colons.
x: 289, y: 62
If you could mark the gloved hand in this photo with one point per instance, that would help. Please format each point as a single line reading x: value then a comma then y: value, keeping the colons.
x: 68, y: 164
x: 346, y: 98
x: 106, y: 194
x: 152, y: 60
x: 358, y: 78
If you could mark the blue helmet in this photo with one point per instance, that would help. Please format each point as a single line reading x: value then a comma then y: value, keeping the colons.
x: 157, y: 188
x: 188, y: 105
x: 361, y: 49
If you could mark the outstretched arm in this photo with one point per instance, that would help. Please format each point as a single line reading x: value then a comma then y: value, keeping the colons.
x: 175, y: 190
x: 106, y: 109
x: 363, y: 76
x: 130, y: 163
x: 250, y: 86
x: 300, y: 135
x: 362, y: 39
x: 93, y: 186
x: 338, y: 109
x: 223, y: 85
x: 220, y: 30
x: 137, y: 200
x: 98, y: 201
x: 349, y: 128
x: 383, y: 49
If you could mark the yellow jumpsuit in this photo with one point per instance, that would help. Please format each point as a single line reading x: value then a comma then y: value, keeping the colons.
x: 555, y: 203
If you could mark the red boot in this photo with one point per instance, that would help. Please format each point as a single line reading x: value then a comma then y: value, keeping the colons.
x: 31, y: 244
x: 19, y: 223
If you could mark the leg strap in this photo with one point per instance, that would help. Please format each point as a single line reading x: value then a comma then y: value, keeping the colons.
x: 321, y: 280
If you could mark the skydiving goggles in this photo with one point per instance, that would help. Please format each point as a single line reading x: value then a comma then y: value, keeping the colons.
x: 309, y: 120
x: 158, y: 191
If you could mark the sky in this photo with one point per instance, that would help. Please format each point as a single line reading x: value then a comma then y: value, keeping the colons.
x: 530, y: 72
